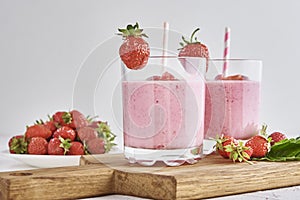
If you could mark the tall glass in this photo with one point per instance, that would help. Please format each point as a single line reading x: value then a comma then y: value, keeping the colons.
x: 232, y: 102
x: 163, y: 111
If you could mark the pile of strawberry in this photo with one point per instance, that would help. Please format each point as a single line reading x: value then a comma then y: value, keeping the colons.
x: 65, y: 133
x: 256, y: 147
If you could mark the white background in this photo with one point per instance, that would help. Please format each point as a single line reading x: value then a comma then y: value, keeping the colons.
x: 43, y: 45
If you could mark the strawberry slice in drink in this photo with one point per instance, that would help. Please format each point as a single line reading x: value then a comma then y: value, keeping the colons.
x: 237, y: 77
x: 166, y: 76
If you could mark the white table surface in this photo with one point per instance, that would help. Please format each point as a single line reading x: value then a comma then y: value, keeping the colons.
x: 9, y: 164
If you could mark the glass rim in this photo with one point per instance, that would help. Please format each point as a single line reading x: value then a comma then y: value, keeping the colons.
x: 234, y: 59
x: 209, y: 59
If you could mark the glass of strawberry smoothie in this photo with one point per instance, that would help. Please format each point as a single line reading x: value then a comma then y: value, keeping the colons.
x: 163, y: 111
x: 232, y: 101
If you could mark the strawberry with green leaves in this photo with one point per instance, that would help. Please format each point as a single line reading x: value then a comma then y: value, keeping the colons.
x: 228, y: 147
x: 239, y: 152
x: 106, y: 134
x: 193, y: 47
x: 259, y: 143
x: 59, y: 146
x: 17, y: 145
x: 134, y: 51
x: 76, y: 148
x: 221, y: 144
x: 65, y: 132
x: 74, y: 119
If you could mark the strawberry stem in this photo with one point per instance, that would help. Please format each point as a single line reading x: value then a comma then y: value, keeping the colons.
x: 193, y: 34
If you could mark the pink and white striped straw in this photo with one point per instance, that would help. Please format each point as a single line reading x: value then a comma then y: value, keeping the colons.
x: 226, y: 50
x: 165, y: 42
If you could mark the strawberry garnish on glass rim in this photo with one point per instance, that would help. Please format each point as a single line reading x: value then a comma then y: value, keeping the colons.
x: 193, y: 47
x: 134, y: 51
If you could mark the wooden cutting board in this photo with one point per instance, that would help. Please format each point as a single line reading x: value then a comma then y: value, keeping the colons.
x: 112, y: 174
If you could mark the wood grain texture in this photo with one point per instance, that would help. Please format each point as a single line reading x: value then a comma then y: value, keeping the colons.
x: 56, y: 183
x: 211, y: 177
x: 112, y: 174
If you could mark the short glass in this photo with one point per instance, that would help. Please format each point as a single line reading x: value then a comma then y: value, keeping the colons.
x: 232, y: 100
x: 163, y: 111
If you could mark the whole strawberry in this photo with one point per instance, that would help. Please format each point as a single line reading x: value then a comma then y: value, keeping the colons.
x: 61, y: 118
x: 78, y: 120
x: 37, y: 130
x: 221, y: 144
x: 96, y: 146
x: 193, y: 48
x: 276, y: 137
x: 259, y: 144
x: 17, y: 145
x: 37, y: 146
x: 50, y: 124
x: 239, y: 152
x: 58, y: 146
x: 76, y: 148
x: 87, y: 133
x: 134, y: 51
x: 65, y: 132
x: 74, y: 119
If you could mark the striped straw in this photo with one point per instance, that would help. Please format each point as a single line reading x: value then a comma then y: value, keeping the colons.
x: 226, y: 50
x: 165, y: 43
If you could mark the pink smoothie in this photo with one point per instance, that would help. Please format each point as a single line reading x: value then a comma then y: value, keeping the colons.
x: 163, y: 114
x: 232, y: 108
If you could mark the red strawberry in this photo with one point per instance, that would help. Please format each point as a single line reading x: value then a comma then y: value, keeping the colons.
x: 221, y: 144
x: 76, y: 149
x: 58, y: 146
x: 61, y: 118
x: 37, y: 130
x: 276, y: 137
x: 96, y: 146
x: 51, y: 125
x: 17, y: 145
x: 78, y: 120
x: 134, y: 51
x: 239, y: 152
x: 37, y: 146
x: 260, y: 146
x: 65, y: 132
x: 87, y: 133
x: 193, y: 48
x: 73, y: 119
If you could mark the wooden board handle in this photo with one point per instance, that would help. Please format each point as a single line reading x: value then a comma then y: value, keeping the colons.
x: 57, y: 183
